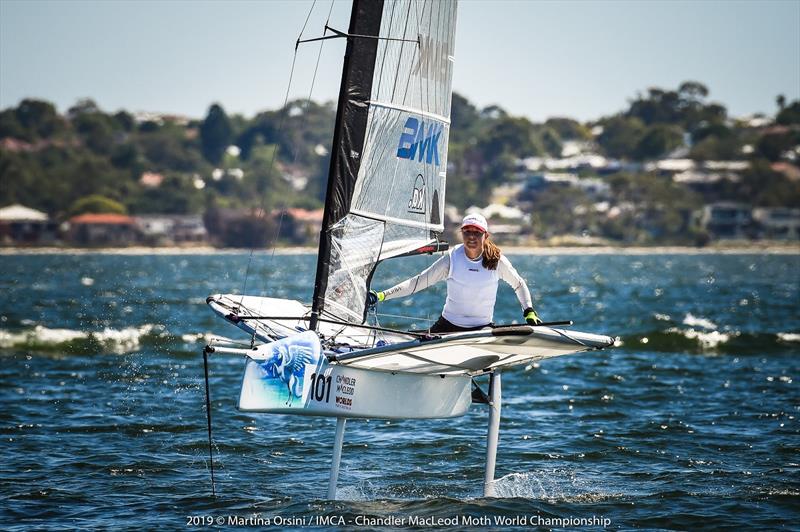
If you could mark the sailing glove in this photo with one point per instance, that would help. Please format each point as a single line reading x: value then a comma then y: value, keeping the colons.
x: 373, y: 297
x: 531, y: 317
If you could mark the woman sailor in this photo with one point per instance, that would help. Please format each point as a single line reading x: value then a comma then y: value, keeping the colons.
x: 472, y: 271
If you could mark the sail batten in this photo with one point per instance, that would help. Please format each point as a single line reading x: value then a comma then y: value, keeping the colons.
x: 386, y: 186
x: 420, y: 112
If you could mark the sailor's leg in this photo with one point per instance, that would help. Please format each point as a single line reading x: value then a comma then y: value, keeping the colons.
x: 493, y: 433
x: 337, y: 457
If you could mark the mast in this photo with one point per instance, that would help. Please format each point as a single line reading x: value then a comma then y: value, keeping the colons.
x: 349, y: 133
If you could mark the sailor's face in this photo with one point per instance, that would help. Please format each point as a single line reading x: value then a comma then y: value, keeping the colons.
x: 473, y: 241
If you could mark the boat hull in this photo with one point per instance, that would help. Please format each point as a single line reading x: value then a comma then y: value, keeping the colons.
x: 334, y: 390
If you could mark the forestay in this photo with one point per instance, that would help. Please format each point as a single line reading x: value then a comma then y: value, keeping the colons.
x: 387, y: 179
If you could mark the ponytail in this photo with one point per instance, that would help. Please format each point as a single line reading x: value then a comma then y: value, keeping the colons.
x: 491, y: 254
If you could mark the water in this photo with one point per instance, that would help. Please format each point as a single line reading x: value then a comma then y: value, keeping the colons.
x: 691, y: 422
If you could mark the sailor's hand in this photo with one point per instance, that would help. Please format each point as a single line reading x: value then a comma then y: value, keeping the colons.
x: 373, y: 297
x: 531, y: 317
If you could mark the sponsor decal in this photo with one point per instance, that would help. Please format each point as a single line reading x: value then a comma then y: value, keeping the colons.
x: 345, y: 389
x: 420, y: 142
x: 417, y: 202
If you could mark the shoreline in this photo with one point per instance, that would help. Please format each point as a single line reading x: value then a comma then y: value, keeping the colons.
x: 738, y: 248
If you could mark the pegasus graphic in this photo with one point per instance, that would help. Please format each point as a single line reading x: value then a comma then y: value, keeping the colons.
x: 287, y: 362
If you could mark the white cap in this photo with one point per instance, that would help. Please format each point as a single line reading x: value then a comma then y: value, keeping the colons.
x: 476, y: 221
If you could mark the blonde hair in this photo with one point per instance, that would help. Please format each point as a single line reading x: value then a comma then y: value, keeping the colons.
x: 491, y: 254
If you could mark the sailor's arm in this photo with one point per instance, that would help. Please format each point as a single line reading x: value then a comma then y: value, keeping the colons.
x: 507, y: 273
x: 435, y: 273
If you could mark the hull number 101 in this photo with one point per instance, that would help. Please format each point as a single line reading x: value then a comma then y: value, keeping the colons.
x: 320, y: 388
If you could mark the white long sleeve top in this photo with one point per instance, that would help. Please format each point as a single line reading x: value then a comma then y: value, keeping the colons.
x: 471, y: 288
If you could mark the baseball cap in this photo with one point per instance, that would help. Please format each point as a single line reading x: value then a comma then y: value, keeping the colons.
x: 475, y: 221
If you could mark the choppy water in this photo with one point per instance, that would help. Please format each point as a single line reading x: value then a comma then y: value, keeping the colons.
x: 692, y: 422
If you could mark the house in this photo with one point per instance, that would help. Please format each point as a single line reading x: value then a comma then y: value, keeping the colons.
x: 23, y: 225
x: 593, y: 186
x: 727, y: 219
x: 778, y: 223
x: 495, y: 210
x: 300, y: 226
x: 151, y: 179
x: 166, y: 230
x: 103, y: 230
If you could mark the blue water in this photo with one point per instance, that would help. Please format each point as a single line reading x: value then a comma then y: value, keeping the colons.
x: 691, y: 422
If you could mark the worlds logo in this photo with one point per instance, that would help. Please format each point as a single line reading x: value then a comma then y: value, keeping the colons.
x: 415, y: 142
x: 417, y: 202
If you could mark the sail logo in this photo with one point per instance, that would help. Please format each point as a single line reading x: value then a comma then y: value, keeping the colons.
x: 417, y: 202
x: 418, y: 142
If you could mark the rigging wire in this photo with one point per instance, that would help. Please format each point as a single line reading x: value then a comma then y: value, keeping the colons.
x: 262, y: 207
x: 304, y: 119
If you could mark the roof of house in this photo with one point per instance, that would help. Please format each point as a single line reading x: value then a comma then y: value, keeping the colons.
x: 305, y: 215
x: 20, y: 213
x: 104, y: 219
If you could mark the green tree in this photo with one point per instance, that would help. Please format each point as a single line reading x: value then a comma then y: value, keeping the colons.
x: 464, y: 118
x: 657, y: 141
x: 772, y: 145
x: 176, y: 195
x: 125, y: 121
x: 10, y: 126
x: 568, y: 129
x: 96, y: 203
x: 621, y: 135
x: 39, y: 117
x: 508, y: 135
x: 216, y: 134
x: 789, y: 114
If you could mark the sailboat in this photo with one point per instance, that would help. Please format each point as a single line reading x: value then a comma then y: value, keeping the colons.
x: 385, y: 201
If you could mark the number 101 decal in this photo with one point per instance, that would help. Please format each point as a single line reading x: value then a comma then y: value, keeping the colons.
x: 320, y: 390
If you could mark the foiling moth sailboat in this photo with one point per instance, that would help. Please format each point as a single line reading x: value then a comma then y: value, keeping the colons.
x: 385, y: 199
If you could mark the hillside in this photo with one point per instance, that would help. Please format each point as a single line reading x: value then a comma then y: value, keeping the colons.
x: 612, y: 179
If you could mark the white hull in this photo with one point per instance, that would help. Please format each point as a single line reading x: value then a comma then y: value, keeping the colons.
x: 340, y: 391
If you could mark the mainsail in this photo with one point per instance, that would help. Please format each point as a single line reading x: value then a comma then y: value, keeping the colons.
x: 386, y: 187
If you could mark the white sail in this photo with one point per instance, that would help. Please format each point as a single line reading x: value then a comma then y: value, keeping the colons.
x: 398, y: 190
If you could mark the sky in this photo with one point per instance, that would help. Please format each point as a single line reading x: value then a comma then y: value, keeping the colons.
x: 538, y: 59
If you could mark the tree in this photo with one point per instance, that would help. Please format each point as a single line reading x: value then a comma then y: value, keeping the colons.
x: 463, y: 119
x: 762, y: 186
x: 10, y: 126
x: 96, y: 203
x: 82, y: 107
x: 620, y: 136
x: 789, y: 114
x: 216, y: 134
x: 551, y: 142
x: 771, y: 146
x: 568, y: 129
x: 657, y: 141
x: 38, y: 118
x: 125, y: 120
x: 508, y: 135
x: 692, y: 91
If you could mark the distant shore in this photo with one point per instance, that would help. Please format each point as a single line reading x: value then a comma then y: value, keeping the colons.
x: 771, y: 248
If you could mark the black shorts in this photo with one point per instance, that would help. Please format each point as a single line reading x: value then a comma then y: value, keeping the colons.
x: 442, y: 326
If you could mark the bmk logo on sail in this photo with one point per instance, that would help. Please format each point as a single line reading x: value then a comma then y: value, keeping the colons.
x: 417, y: 201
x: 416, y: 143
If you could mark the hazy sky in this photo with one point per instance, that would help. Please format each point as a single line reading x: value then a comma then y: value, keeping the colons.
x: 533, y: 58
